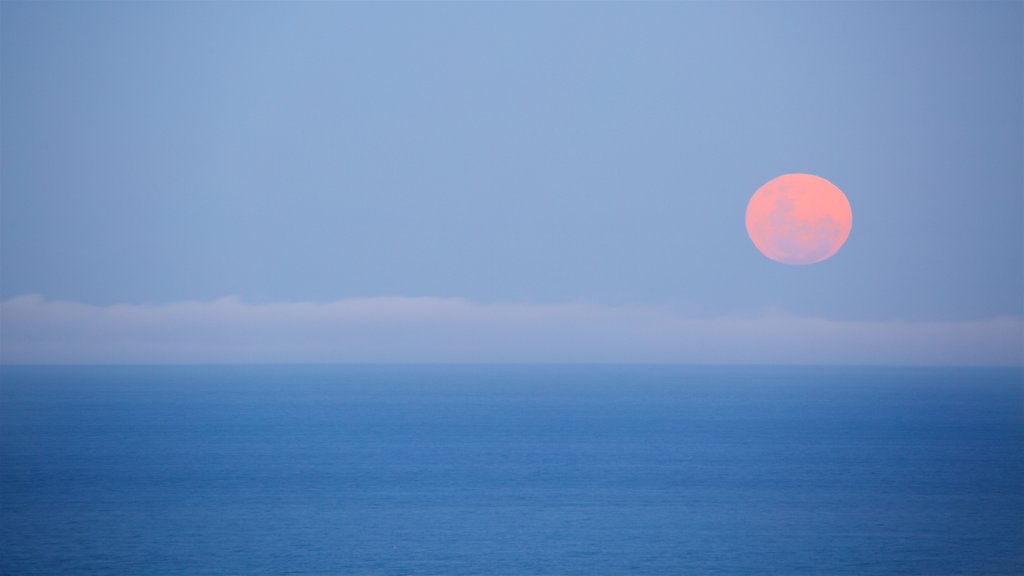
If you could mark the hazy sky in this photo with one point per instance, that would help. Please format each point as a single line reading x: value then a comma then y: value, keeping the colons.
x: 510, y: 154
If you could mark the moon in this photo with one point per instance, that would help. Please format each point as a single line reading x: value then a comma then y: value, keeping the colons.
x: 799, y: 219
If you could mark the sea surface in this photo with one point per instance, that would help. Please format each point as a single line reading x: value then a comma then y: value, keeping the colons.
x: 517, y: 470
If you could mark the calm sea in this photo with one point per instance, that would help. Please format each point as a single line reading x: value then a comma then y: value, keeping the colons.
x: 513, y: 470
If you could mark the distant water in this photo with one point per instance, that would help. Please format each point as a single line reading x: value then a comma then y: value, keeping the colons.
x: 511, y: 470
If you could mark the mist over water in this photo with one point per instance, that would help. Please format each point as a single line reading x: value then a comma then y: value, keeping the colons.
x: 511, y: 470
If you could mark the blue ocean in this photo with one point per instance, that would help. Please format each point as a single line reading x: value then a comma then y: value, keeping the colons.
x: 517, y: 470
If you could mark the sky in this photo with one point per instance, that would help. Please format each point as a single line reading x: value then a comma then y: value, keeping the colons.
x: 548, y: 181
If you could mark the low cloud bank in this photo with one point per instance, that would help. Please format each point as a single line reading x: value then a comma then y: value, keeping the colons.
x: 38, y: 331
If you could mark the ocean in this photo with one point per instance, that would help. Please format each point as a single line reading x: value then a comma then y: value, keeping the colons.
x: 517, y: 470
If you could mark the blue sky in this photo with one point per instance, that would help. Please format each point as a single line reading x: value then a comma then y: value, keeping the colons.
x: 539, y: 155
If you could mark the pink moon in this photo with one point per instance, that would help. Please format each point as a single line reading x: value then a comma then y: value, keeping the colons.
x: 799, y: 219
